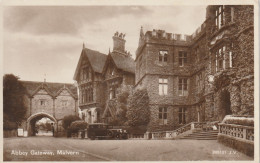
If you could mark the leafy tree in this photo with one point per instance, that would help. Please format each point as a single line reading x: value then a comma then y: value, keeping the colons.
x: 121, y: 106
x: 45, y: 126
x: 14, y: 107
x: 9, y: 125
x: 138, y: 112
x: 67, y: 120
x: 48, y: 126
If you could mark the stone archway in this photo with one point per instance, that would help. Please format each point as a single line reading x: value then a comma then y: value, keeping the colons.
x: 224, y: 104
x: 35, y: 117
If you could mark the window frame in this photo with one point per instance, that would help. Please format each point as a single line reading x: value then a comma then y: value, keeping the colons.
x: 163, y: 86
x: 113, y: 90
x: 183, y: 86
x: 183, y: 57
x: 64, y: 103
x: 182, y: 115
x: 163, y: 115
x: 43, y: 102
x: 220, y: 58
x: 163, y: 56
x: 219, y: 16
x: 199, y: 81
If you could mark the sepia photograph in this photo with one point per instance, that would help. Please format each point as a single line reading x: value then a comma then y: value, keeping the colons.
x: 130, y: 82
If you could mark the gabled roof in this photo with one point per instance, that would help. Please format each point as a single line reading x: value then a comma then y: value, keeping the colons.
x: 32, y: 87
x: 97, y: 60
x: 125, y: 63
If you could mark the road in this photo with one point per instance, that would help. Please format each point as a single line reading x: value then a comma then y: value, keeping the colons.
x: 68, y: 149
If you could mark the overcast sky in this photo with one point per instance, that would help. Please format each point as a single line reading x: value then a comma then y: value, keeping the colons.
x: 48, y: 40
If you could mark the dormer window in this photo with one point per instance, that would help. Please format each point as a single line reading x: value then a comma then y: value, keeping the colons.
x: 163, y: 54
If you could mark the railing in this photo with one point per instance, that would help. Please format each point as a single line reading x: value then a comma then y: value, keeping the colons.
x: 158, y: 135
x: 183, y: 129
x: 136, y: 136
x: 237, y: 131
x: 179, y: 131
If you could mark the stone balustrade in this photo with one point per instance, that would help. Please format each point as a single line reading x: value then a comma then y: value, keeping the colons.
x: 175, y: 133
x: 237, y: 131
x: 159, y: 135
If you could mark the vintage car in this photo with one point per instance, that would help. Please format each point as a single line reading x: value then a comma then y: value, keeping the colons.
x: 105, y: 131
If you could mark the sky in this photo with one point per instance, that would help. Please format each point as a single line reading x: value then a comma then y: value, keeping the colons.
x: 45, y: 42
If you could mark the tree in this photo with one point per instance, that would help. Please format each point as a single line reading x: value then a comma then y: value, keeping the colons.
x: 138, y: 112
x: 14, y: 107
x: 120, y: 104
x: 78, y: 125
x: 48, y: 126
x: 67, y: 120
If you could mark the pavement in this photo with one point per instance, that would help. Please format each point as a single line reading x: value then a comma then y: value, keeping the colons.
x: 68, y: 149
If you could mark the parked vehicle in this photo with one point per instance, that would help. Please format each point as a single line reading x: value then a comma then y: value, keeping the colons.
x: 105, y: 131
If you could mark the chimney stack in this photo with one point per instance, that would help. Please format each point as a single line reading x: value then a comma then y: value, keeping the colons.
x: 119, y: 42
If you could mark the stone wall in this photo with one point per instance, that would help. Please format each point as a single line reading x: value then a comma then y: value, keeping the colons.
x: 36, y: 106
x: 240, y: 86
x: 69, y: 109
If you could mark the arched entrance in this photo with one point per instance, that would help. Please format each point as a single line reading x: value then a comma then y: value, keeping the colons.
x: 31, y: 121
x: 224, y: 104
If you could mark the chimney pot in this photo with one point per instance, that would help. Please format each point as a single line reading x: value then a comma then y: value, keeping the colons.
x: 119, y: 42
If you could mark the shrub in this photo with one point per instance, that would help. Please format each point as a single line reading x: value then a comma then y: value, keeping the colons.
x: 77, y: 125
x: 245, y: 121
x: 138, y: 112
x: 67, y: 120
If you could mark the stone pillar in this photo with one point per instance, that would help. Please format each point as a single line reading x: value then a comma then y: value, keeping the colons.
x: 192, y: 126
x: 53, y: 109
x: 30, y: 111
x: 244, y: 133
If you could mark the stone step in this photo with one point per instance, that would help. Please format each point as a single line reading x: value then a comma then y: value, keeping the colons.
x: 200, y: 138
x: 205, y: 132
x: 202, y: 135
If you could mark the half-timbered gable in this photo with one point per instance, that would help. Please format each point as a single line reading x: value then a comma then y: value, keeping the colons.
x: 89, y: 78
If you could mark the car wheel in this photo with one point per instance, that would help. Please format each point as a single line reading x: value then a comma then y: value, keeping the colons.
x: 110, y: 134
x: 118, y: 136
x: 93, y: 137
x: 125, y: 136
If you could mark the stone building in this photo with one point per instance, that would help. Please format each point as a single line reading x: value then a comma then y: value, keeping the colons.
x: 199, y: 77
x: 90, y: 83
x: 100, y: 78
x: 51, y: 100
x: 189, y: 78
